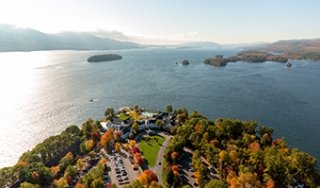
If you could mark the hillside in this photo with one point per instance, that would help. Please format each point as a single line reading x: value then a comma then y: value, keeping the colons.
x: 295, y: 49
x: 18, y: 39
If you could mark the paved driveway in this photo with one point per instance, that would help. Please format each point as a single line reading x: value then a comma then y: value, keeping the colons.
x: 158, y: 168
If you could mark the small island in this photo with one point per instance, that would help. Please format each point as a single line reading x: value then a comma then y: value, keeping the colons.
x: 104, y: 57
x: 185, y: 62
x: 247, y: 56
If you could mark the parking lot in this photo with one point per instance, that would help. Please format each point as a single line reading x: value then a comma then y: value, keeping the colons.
x: 122, y: 171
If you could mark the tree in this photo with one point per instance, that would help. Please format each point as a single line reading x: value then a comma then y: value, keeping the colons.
x: 97, y: 183
x: 79, y: 185
x: 66, y: 161
x: 215, y: 183
x: 73, y: 129
x: 88, y: 128
x: 109, y: 113
x: 55, y: 170
x: 175, y: 170
x: 36, y: 173
x: 118, y: 147
x: 29, y: 185
x: 169, y: 177
x: 174, y: 155
x: 135, y: 184
x: 138, y: 159
x: 155, y: 184
x: 263, y: 130
x: 60, y: 183
x: 134, y: 115
x: 270, y: 183
x: 89, y: 145
x: 169, y: 108
x: 147, y: 177
x: 135, y: 127
x: 106, y: 138
x: 135, y: 149
x: 160, y: 123
x: 136, y: 108
x: 70, y: 171
x: 132, y: 143
x: 80, y: 164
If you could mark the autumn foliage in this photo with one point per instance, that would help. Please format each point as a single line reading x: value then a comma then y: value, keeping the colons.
x: 147, y: 177
x: 106, y: 138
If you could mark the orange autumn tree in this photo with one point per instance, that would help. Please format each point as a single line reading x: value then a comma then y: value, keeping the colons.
x: 175, y: 170
x: 106, y: 138
x: 138, y: 159
x: 271, y: 184
x: 147, y: 177
x: 79, y: 185
x: 55, y: 170
x: 174, y: 155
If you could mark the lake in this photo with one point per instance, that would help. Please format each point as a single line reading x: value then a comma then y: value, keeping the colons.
x: 44, y: 92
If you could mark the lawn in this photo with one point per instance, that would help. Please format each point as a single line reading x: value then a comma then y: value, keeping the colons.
x: 150, y: 149
x: 123, y: 117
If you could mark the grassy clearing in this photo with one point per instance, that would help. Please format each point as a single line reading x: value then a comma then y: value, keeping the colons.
x: 151, y: 148
x: 123, y: 117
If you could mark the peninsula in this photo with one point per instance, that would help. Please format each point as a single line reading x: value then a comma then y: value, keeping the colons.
x: 104, y: 57
x: 138, y: 148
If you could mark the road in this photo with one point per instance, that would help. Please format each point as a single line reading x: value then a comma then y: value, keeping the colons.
x: 158, y: 168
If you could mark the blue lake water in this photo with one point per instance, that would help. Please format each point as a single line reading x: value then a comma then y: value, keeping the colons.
x: 44, y: 92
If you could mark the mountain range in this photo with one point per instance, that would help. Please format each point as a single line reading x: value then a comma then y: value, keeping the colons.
x: 20, y: 39
x: 26, y: 39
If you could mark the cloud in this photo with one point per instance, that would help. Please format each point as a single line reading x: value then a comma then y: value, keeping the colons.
x: 185, y: 36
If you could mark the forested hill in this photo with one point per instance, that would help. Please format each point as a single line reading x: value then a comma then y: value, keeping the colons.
x: 295, y: 49
x: 19, y: 39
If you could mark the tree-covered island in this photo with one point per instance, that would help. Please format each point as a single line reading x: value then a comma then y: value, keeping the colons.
x: 138, y: 148
x: 104, y: 57
x: 247, y: 56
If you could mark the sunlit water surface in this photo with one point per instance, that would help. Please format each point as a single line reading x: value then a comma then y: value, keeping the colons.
x: 44, y: 92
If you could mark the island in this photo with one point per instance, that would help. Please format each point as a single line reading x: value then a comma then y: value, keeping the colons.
x: 139, y: 147
x: 289, y: 65
x: 247, y: 56
x: 185, y: 62
x: 104, y: 57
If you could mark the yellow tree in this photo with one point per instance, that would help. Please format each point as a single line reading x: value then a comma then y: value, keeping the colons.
x: 118, y: 147
x: 80, y: 164
x: 199, y: 177
x: 89, y: 145
x: 61, y: 183
x: 135, y: 115
x: 132, y: 143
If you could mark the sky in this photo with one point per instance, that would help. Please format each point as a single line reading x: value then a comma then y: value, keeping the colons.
x: 171, y: 21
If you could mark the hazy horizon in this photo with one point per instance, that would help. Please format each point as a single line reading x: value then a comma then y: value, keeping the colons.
x: 167, y: 22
